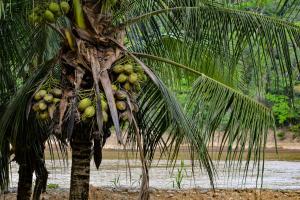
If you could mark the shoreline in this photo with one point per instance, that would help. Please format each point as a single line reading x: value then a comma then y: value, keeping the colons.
x: 282, y: 154
x: 103, y: 193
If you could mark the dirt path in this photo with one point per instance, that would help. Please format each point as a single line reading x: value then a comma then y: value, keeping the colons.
x: 191, y: 194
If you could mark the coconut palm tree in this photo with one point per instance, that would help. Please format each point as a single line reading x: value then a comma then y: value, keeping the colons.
x: 23, y: 49
x: 117, y: 67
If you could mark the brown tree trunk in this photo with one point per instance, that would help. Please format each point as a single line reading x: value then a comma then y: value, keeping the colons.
x: 81, y: 156
x: 25, y: 182
x: 144, y: 190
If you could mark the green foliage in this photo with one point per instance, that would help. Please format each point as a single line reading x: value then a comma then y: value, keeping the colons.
x: 116, y: 181
x: 181, y: 173
x: 284, y: 112
x: 52, y: 186
x: 281, y: 135
x: 296, y: 130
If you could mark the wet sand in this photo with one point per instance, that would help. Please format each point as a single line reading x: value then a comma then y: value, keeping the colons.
x: 190, y: 194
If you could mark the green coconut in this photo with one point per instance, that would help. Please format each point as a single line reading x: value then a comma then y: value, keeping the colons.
x: 127, y: 86
x: 48, y: 98
x: 51, y: 108
x: 118, y: 69
x: 54, y: 7
x: 65, y: 7
x: 90, y: 112
x: 122, y: 78
x: 84, y: 118
x: 104, y: 105
x: 125, y: 116
x: 42, y: 105
x: 137, y: 86
x: 44, y: 115
x: 37, y: 96
x: 142, y: 77
x: 114, y: 88
x: 121, y: 105
x: 133, y: 78
x: 105, y: 116
x: 121, y: 95
x: 84, y: 103
x: 49, y: 16
x: 56, y: 100
x: 56, y: 92
x: 58, y: 14
x: 33, y: 18
x: 35, y: 107
x: 128, y: 68
x: 42, y: 93
x: 138, y: 69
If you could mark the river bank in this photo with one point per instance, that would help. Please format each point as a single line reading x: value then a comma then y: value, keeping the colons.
x: 104, y: 193
x: 288, y: 149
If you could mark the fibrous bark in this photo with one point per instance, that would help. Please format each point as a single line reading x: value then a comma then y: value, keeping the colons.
x: 81, y: 157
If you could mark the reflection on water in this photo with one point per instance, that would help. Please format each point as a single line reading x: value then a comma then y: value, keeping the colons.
x: 277, y: 175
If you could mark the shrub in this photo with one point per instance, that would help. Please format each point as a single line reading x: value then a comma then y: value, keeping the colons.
x: 280, y: 135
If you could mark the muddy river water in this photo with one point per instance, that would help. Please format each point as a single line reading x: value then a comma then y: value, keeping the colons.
x: 277, y: 175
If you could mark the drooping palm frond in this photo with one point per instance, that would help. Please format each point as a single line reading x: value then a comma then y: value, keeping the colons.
x: 230, y: 33
x: 164, y: 127
x: 212, y: 103
x: 247, y: 122
x: 289, y: 8
x: 207, y: 63
x: 16, y: 129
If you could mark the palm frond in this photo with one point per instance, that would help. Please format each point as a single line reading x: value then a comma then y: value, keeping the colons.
x: 161, y: 116
x: 269, y: 42
x: 246, y: 126
x: 210, y: 64
x: 16, y: 129
x: 212, y: 104
x: 289, y: 8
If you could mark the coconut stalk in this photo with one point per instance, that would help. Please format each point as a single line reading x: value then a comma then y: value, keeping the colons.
x: 78, y: 14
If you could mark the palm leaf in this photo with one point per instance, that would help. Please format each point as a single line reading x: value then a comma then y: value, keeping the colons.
x: 226, y: 32
x: 16, y: 129
x: 212, y: 103
x: 164, y: 127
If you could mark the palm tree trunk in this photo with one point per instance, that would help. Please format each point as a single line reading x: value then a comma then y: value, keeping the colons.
x: 81, y: 156
x: 41, y: 180
x: 25, y: 182
x: 144, y: 190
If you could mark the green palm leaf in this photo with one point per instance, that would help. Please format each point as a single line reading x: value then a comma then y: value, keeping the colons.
x: 210, y: 102
x: 16, y: 128
x: 226, y: 32
x: 165, y: 127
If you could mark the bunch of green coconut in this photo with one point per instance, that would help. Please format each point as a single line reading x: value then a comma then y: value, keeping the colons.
x: 127, y: 83
x: 49, y: 12
x: 45, y: 103
x: 129, y: 77
x: 87, y: 109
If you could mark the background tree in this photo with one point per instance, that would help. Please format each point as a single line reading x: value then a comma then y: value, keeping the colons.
x: 174, y: 43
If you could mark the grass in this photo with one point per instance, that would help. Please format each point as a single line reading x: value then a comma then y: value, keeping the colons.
x: 52, y: 186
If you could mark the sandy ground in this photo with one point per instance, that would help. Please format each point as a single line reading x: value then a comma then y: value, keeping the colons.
x: 191, y: 194
x: 286, y: 143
